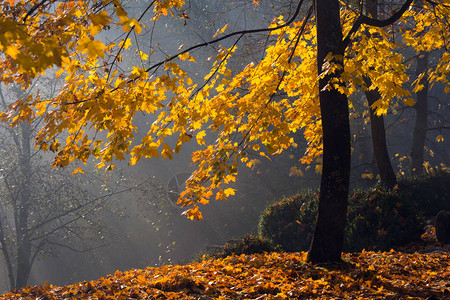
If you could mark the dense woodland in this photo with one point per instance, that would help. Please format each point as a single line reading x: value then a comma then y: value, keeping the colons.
x: 325, y: 123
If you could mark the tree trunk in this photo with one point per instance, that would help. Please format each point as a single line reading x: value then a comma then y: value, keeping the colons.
x: 328, y: 239
x: 421, y: 108
x: 6, y: 257
x: 23, y: 237
x: 384, y: 166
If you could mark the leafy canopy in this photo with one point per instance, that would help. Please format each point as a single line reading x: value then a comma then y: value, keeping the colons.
x: 252, y: 111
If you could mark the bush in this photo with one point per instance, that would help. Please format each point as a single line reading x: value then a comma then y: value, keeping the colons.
x: 431, y: 193
x: 247, y: 244
x: 290, y: 222
x: 381, y: 219
x: 378, y: 218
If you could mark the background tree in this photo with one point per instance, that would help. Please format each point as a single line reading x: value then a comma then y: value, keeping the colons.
x: 421, y: 109
x: 41, y: 208
x: 379, y: 143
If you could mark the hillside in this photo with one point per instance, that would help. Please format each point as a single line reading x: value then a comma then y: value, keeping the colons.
x: 365, y: 275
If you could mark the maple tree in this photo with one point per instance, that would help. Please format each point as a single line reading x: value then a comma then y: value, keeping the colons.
x: 328, y: 238
x: 317, y: 65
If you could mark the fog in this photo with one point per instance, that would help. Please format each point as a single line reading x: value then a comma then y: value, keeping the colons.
x: 140, y: 223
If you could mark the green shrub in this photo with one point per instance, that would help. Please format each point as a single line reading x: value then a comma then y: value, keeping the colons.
x: 378, y: 218
x: 247, y: 244
x: 290, y: 222
x: 381, y: 219
x: 430, y: 192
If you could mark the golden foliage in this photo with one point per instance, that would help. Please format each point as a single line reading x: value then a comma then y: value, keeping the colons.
x: 254, y: 111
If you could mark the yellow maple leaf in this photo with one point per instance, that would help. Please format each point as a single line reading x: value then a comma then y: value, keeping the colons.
x: 93, y: 48
x: 193, y: 213
x: 125, y: 44
x: 229, y: 192
x: 219, y: 31
x: 184, y: 56
x: 200, y: 137
x: 136, y: 26
x: 12, y: 51
x: 143, y: 55
x: 77, y: 170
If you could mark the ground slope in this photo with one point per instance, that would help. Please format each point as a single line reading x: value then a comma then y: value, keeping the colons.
x: 365, y: 275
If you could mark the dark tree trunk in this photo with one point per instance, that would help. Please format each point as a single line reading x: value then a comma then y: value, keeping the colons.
x: 421, y: 108
x: 384, y: 166
x: 327, y: 243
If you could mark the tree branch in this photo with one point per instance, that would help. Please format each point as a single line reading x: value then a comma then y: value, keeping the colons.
x: 33, y: 9
x: 240, y: 32
x: 362, y: 19
x: 214, y: 41
x: 126, y: 37
x: 32, y: 229
x: 438, y: 128
x: 75, y: 249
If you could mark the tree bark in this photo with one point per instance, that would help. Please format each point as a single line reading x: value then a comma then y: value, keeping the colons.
x: 384, y: 166
x: 421, y: 108
x: 328, y: 239
x: 6, y: 257
x: 23, y: 237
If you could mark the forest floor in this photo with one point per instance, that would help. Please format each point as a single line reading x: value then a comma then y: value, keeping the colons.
x: 421, y: 274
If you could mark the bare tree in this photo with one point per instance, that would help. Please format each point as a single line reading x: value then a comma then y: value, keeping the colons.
x: 42, y: 209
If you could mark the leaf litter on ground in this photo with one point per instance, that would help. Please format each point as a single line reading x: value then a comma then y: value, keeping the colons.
x: 363, y: 275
